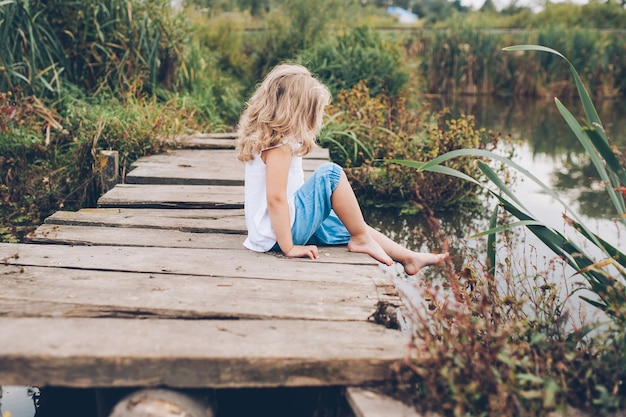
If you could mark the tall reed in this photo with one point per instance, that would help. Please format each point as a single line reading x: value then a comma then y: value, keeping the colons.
x: 106, y: 44
x: 463, y: 61
x: 32, y: 56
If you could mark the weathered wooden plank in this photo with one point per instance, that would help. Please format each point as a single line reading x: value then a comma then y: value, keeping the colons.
x: 368, y: 403
x: 191, y: 167
x: 226, y: 141
x: 218, y: 135
x: 173, y: 196
x: 196, y: 167
x: 111, y: 236
x: 186, y: 158
x: 185, y: 220
x: 195, y: 353
x: 199, y: 262
x: 214, y: 174
x: 61, y: 292
x: 208, y: 140
x: 93, y: 235
x: 198, y: 225
x: 318, y: 153
x: 185, y: 175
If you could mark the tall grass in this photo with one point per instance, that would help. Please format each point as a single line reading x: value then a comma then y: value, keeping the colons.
x: 359, y: 54
x: 107, y: 44
x: 115, y: 44
x: 32, y: 57
x: 462, y: 60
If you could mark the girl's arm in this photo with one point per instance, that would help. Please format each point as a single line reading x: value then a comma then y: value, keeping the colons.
x: 277, y: 162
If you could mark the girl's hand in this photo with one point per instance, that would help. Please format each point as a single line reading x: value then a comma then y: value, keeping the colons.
x: 308, y: 251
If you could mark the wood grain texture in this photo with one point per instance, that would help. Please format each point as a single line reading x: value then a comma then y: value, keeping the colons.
x: 173, y: 196
x: 185, y: 220
x: 200, y: 262
x: 84, y: 352
x: 200, y: 167
x: 62, y: 292
x: 111, y: 236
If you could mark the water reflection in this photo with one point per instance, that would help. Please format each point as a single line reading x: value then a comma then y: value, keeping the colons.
x: 17, y: 401
x: 416, y: 232
x: 413, y: 231
x: 549, y: 142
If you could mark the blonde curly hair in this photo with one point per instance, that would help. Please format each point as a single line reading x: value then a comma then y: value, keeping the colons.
x: 287, y: 106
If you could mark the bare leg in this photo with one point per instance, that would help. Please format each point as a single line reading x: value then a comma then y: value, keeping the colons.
x: 366, y: 239
x: 347, y: 208
x: 410, y: 260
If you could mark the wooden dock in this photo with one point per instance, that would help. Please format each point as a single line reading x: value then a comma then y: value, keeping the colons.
x: 153, y: 288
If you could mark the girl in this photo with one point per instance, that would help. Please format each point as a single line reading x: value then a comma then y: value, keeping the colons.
x: 279, y: 126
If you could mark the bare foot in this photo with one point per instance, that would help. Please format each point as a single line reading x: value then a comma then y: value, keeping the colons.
x: 371, y: 248
x: 419, y: 260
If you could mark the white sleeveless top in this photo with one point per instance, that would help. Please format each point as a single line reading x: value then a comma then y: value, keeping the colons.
x: 261, y: 236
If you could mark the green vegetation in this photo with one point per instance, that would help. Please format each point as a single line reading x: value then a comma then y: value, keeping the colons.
x: 77, y: 78
x: 110, y: 45
x: 80, y: 77
x: 467, y: 60
x: 363, y: 133
x: 49, y: 162
x: 358, y: 55
x: 492, y: 351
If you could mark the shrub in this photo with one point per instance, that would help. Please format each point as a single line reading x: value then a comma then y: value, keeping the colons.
x: 503, y: 345
x: 358, y: 55
x: 289, y: 29
x: 364, y: 133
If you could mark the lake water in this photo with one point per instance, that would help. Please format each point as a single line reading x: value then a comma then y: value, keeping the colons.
x: 18, y: 401
x: 545, y: 146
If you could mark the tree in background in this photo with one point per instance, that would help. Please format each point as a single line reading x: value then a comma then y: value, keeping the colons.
x: 488, y: 7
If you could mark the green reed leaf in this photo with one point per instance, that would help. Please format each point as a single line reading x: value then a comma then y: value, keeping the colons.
x: 610, y: 250
x: 493, y: 229
x: 590, y: 110
x: 495, y: 179
x: 441, y: 169
x: 604, y: 149
x: 491, y: 243
x: 598, y: 163
x: 560, y: 245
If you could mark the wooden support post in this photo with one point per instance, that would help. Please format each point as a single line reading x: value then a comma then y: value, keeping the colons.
x: 109, y: 169
x: 162, y: 403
